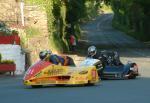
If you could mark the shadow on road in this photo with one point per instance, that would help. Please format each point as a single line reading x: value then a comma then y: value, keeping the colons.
x: 100, y: 33
x: 62, y: 86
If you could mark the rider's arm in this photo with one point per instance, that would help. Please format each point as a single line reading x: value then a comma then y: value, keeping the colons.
x: 53, y: 59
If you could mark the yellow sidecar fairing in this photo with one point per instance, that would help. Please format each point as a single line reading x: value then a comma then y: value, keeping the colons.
x: 56, y: 74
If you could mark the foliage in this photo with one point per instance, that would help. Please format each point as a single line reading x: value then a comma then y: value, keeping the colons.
x: 4, y: 30
x: 64, y: 17
x: 2, y: 24
x: 132, y: 16
x: 15, y: 32
x: 106, y: 8
x: 7, y: 62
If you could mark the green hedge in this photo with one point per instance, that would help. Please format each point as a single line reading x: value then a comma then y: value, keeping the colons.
x: 6, y: 61
x: 64, y: 17
x: 132, y: 16
x: 5, y: 31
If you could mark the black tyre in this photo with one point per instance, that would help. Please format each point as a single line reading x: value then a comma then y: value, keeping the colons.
x: 36, y: 86
x: 132, y: 77
x: 60, y: 85
x: 89, y: 84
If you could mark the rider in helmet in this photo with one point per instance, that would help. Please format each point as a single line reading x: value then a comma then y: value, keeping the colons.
x: 117, y: 59
x: 107, y: 57
x: 44, y: 55
x: 56, y: 59
x: 92, y: 52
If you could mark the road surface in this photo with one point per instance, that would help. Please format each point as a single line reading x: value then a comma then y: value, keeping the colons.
x: 109, y: 91
x: 99, y: 32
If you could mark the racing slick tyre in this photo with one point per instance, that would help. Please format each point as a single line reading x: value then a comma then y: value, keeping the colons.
x: 89, y: 84
x: 60, y: 85
x: 36, y: 86
x: 132, y: 76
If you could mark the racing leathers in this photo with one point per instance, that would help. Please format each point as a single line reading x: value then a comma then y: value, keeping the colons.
x: 63, y: 60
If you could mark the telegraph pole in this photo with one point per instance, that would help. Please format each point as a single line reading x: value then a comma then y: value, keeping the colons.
x: 22, y: 11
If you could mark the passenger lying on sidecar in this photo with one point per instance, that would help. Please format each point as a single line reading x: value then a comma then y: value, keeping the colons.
x: 47, y: 55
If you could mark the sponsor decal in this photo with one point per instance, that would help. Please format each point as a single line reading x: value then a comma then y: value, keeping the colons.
x: 45, y: 82
x: 54, y: 72
x: 69, y: 73
x: 80, y: 78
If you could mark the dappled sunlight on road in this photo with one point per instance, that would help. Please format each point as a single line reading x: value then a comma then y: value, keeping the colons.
x: 100, y: 33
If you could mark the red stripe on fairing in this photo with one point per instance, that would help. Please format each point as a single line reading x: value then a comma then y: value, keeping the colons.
x: 34, y: 69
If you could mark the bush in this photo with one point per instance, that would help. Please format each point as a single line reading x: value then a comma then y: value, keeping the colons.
x: 5, y: 31
x: 61, y: 13
x: 2, y: 24
x: 133, y: 17
x: 14, y: 32
x: 7, y: 62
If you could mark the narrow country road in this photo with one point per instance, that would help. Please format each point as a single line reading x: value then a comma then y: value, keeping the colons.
x: 101, y: 33
x: 98, y: 32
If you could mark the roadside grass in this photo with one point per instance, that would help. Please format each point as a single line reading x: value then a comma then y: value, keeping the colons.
x: 32, y: 31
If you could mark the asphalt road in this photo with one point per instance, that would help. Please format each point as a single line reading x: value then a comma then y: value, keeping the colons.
x: 109, y: 91
x: 99, y: 32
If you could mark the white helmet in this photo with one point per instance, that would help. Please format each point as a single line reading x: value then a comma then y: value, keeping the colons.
x: 92, y: 50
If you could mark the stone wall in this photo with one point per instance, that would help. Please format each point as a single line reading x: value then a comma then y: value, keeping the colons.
x: 9, y: 11
x: 35, y: 17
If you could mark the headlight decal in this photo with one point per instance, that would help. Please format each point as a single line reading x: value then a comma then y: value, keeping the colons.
x: 83, y: 72
x: 94, y: 74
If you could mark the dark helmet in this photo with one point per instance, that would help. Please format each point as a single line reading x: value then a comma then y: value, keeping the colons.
x: 92, y: 50
x: 44, y: 54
